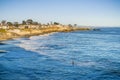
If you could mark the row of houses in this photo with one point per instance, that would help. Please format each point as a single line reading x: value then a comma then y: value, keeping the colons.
x: 28, y: 26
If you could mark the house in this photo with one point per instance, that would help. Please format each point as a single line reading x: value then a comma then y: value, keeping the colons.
x: 4, y: 27
x: 29, y: 26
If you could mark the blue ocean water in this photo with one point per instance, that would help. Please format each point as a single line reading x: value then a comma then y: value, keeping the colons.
x: 80, y: 55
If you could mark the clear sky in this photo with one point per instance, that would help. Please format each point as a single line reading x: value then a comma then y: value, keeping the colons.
x: 81, y: 12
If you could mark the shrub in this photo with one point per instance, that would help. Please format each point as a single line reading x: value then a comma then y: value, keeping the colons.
x: 2, y: 30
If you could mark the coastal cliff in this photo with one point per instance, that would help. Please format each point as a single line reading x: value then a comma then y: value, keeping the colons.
x: 16, y: 33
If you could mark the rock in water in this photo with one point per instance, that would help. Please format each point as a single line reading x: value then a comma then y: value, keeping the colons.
x: 3, y: 51
x: 2, y: 43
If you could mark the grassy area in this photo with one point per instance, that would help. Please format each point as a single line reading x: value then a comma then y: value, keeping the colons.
x: 3, y: 31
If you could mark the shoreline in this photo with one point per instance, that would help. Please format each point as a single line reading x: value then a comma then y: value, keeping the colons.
x: 18, y: 33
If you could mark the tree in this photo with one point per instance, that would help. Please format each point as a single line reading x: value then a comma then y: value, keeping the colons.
x: 9, y: 23
x: 16, y: 24
x: 75, y: 25
x: 69, y: 25
x: 3, y: 22
x: 56, y: 23
x: 23, y: 22
x: 29, y: 21
x: 35, y: 23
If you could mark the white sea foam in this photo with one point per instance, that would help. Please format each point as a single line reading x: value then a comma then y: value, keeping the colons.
x: 32, y: 43
x: 86, y: 64
x: 41, y: 36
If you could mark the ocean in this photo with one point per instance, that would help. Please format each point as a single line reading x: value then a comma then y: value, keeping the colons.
x: 79, y: 55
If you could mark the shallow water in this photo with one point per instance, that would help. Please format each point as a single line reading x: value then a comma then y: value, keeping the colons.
x: 81, y: 55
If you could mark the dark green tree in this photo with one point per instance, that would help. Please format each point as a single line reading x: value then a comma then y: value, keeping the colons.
x: 70, y: 25
x: 3, y: 22
x: 75, y: 25
x: 56, y: 23
x: 9, y: 23
x: 23, y: 22
x: 29, y: 21
x: 16, y: 24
